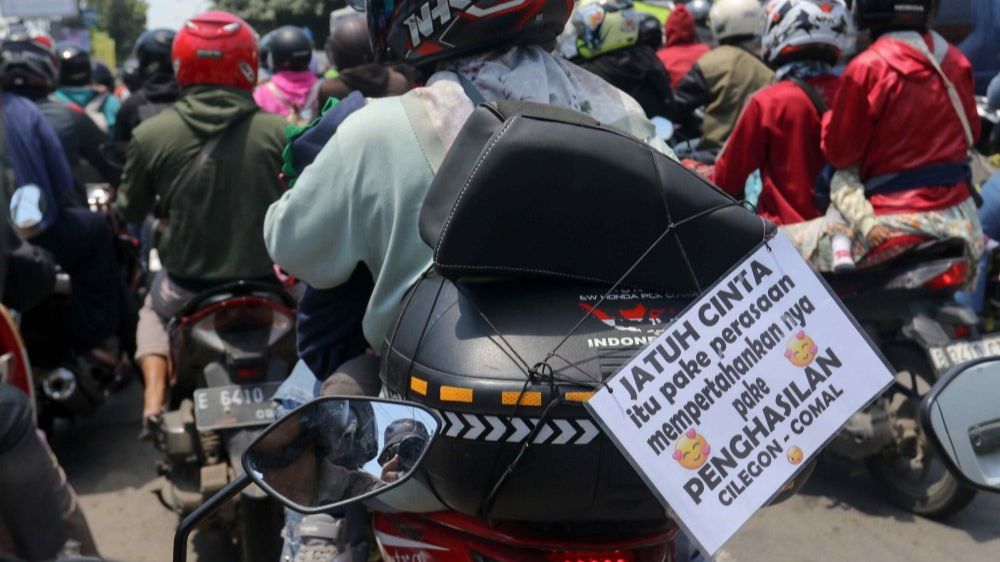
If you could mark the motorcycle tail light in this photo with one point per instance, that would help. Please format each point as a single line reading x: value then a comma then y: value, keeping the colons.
x: 591, y: 557
x: 242, y: 315
x: 941, y: 274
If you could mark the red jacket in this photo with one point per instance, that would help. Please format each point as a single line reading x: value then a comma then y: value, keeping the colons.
x: 681, y: 49
x: 779, y: 134
x: 892, y: 114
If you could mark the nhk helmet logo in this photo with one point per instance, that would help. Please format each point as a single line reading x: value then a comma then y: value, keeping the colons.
x: 435, y: 14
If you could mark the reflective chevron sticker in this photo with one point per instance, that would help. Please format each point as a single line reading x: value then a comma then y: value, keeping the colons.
x: 478, y: 427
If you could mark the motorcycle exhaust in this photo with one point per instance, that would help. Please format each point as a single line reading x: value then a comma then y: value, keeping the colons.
x: 68, y: 390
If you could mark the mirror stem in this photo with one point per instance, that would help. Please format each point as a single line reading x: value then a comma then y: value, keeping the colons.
x: 204, y: 511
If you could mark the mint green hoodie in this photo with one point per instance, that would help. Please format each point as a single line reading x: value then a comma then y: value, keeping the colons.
x: 359, y: 201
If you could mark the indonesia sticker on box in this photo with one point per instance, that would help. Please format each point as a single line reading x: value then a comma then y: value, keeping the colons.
x: 740, y: 392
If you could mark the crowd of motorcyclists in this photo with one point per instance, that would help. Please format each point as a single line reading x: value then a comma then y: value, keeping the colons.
x: 846, y: 124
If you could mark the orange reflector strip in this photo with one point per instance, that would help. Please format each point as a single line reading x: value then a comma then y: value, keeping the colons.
x: 581, y: 396
x: 527, y: 399
x: 418, y: 385
x: 456, y: 394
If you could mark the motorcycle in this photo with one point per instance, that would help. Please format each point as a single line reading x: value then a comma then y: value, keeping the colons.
x: 15, y: 369
x: 902, y: 296
x: 230, y: 349
x: 309, y: 461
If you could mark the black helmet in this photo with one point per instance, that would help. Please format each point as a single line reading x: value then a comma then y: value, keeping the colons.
x: 348, y: 45
x: 289, y: 48
x: 405, y: 438
x: 650, y: 31
x: 101, y: 74
x: 417, y: 32
x: 130, y: 74
x: 894, y: 14
x: 74, y: 64
x: 152, y: 51
x: 27, y: 65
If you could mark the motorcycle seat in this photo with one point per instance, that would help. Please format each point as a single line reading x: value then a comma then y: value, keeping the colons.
x: 891, y: 248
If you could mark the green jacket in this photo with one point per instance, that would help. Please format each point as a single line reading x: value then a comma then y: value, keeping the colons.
x: 214, y: 224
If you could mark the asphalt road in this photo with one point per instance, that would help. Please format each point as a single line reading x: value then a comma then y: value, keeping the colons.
x: 838, y: 517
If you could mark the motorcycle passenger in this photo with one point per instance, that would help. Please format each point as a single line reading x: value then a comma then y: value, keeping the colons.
x: 682, y: 48
x: 45, y: 212
x: 29, y: 69
x: 350, y: 53
x: 723, y: 79
x: 293, y: 90
x: 39, y: 509
x: 75, y: 86
x: 898, y: 133
x: 619, y: 44
x: 350, y: 208
x: 779, y: 130
x: 157, y: 89
x: 206, y: 168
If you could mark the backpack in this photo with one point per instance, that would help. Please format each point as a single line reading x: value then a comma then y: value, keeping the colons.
x: 298, y: 115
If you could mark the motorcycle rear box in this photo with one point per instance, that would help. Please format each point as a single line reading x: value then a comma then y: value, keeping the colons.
x: 445, y: 352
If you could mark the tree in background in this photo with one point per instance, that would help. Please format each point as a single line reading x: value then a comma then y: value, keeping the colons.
x: 123, y: 20
x: 266, y: 15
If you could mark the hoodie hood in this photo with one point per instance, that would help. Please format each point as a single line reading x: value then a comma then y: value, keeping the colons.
x: 161, y: 88
x: 680, y: 28
x: 210, y: 109
x: 295, y: 85
x: 904, y: 51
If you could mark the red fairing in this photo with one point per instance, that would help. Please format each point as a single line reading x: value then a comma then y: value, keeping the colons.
x: 216, y: 48
x: 452, y: 537
x: 19, y: 373
x: 778, y: 133
x: 892, y: 114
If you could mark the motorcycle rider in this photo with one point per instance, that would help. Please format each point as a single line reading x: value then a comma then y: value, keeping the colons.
x: 293, y: 89
x: 348, y: 208
x: 158, y: 89
x: 778, y: 131
x: 39, y: 508
x: 619, y: 44
x: 75, y: 87
x: 682, y: 49
x: 351, y: 54
x: 898, y: 133
x: 29, y: 69
x: 44, y: 211
x: 207, y: 167
x: 723, y: 79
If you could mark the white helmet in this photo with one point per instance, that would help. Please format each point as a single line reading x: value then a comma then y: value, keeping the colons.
x: 791, y: 25
x: 735, y: 18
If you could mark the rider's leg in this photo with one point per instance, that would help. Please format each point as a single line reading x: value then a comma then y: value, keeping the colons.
x: 44, y: 513
x: 83, y: 245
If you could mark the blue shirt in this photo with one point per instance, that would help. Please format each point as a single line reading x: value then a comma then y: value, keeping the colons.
x: 35, y: 155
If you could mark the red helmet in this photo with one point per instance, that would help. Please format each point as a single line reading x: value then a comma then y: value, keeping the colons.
x: 216, y: 48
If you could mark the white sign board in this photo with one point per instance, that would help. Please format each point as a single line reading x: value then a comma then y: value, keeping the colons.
x: 37, y: 8
x: 740, y: 392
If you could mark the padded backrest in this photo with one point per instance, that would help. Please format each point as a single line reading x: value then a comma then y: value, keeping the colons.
x: 530, y: 190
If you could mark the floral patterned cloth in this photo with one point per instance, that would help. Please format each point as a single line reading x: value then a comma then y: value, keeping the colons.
x: 813, y: 238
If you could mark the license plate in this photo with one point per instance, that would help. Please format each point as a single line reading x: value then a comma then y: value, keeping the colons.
x: 227, y: 407
x: 960, y: 352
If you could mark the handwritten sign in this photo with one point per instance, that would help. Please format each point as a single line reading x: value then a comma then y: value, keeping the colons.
x: 740, y: 392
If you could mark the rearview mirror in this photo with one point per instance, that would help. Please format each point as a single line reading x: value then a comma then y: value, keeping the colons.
x: 338, y: 450
x: 961, y: 414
